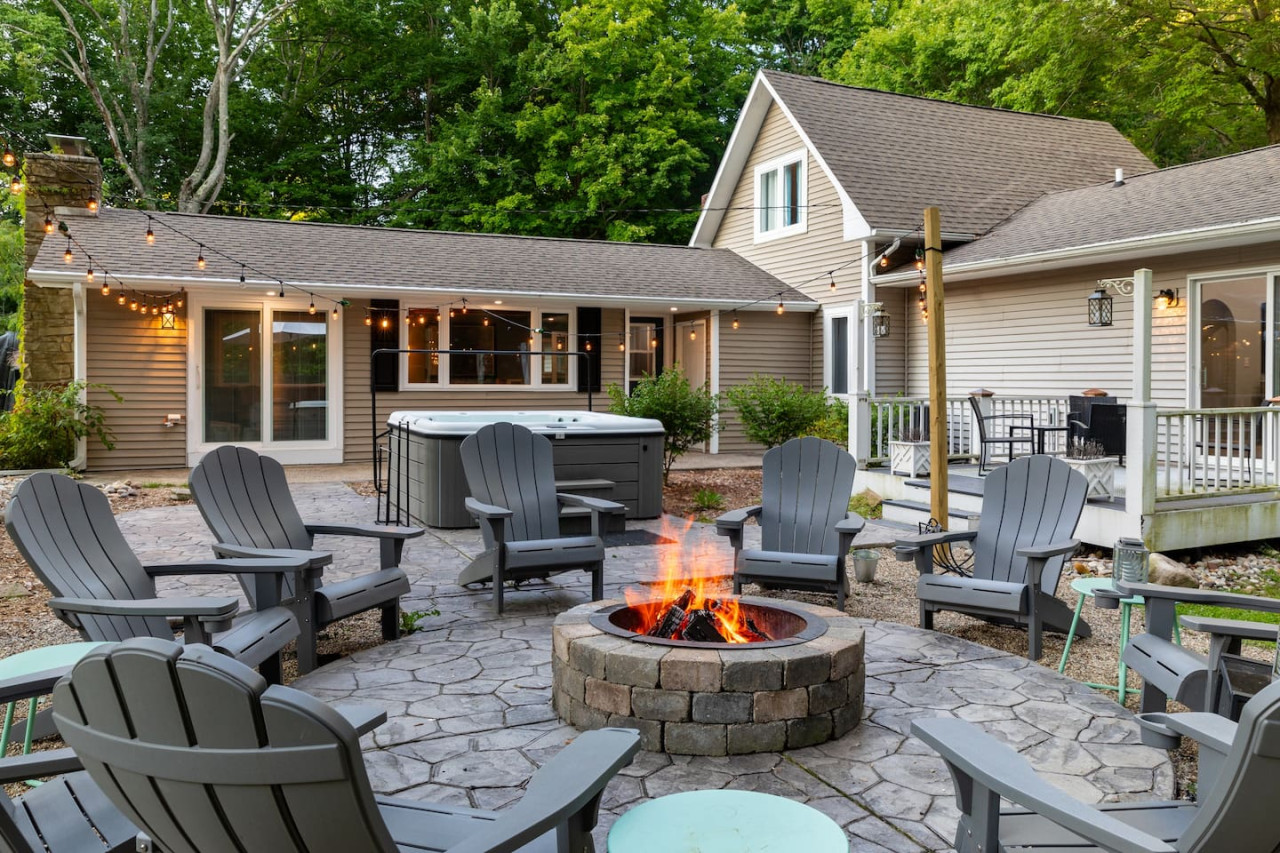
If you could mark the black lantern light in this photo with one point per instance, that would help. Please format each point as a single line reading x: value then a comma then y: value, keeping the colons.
x: 1099, y: 308
x: 880, y: 323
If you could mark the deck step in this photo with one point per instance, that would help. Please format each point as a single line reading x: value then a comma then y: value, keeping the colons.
x: 914, y: 513
x: 960, y: 496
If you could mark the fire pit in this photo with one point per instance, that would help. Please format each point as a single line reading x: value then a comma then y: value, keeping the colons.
x: 797, y: 682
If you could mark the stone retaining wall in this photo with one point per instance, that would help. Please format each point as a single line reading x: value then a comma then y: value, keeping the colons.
x: 695, y: 701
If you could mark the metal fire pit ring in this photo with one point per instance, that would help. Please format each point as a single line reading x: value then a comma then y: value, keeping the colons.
x: 801, y: 626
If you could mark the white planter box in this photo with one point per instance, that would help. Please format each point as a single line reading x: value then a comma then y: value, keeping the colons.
x: 1100, y: 474
x: 909, y: 458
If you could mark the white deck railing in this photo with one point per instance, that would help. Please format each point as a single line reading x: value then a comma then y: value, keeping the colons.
x: 1207, y: 452
x: 897, y: 418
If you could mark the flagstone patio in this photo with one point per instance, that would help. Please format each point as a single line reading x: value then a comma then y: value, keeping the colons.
x: 469, y: 697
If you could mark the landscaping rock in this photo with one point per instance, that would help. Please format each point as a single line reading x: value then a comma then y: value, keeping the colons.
x: 1170, y: 572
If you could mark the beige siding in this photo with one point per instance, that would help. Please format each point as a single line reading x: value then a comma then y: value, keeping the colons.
x: 766, y: 344
x: 357, y: 422
x: 891, y: 351
x: 147, y: 366
x: 1030, y: 335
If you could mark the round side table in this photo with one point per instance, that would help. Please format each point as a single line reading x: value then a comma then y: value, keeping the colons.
x: 28, y: 663
x: 1086, y: 587
x: 726, y: 822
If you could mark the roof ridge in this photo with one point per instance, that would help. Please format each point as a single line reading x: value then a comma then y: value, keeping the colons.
x: 768, y: 72
x: 401, y: 229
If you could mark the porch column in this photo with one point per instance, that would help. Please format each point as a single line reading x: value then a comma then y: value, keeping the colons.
x: 1140, y: 431
x: 860, y: 428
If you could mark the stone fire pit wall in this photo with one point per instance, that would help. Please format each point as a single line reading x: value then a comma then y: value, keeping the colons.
x: 696, y: 701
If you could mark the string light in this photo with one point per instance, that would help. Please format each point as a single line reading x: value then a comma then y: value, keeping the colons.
x: 133, y: 304
x: 155, y: 309
x: 368, y: 320
x: 242, y: 273
x: 335, y: 312
x: 833, y: 282
x: 311, y: 309
x: 151, y: 235
x: 587, y: 346
x: 920, y: 259
x: 622, y: 346
x: 48, y: 224
x: 122, y: 299
x: 385, y: 323
x: 106, y: 289
x: 15, y: 186
x: 735, y: 321
x: 67, y: 255
x: 9, y: 159
x: 781, y: 307
x: 88, y: 276
x: 182, y: 297
x: 693, y: 334
x: 92, y: 204
x: 200, y: 262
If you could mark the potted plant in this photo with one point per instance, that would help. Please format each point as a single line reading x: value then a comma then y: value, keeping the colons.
x: 1089, y: 458
x: 909, y: 454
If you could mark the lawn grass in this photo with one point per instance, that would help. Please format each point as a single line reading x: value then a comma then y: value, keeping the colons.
x: 1269, y: 587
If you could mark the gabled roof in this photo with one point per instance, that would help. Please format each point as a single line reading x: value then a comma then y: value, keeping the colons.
x: 893, y: 155
x: 348, y: 258
x: 1192, y: 202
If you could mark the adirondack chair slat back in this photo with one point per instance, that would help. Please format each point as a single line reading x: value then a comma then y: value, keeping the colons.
x: 1238, y: 811
x: 244, y: 498
x: 203, y: 756
x: 15, y: 834
x: 1034, y: 500
x: 806, y: 487
x: 68, y: 535
x: 509, y: 466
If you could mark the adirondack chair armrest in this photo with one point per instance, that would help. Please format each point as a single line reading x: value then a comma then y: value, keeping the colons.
x: 976, y: 759
x: 1053, y: 549
x: 314, y: 559
x: 1209, y: 730
x: 847, y: 529
x: 371, y: 530
x: 564, y: 792
x: 52, y: 762
x: 31, y: 685
x: 593, y: 504
x: 485, y: 511
x: 1241, y: 629
x: 205, y: 608
x: 363, y: 718
x: 918, y: 548
x: 731, y: 523
x: 1177, y: 594
x: 235, y: 566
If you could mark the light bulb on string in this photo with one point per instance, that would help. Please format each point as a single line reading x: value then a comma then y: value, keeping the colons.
x: 9, y: 159
x: 281, y: 294
x: 92, y: 204
x: 622, y: 346
x: 106, y: 289
x: 311, y: 309
x: 587, y: 346
x: 88, y: 276
x: 182, y: 297
x: 485, y: 321
x: 155, y: 309
x: 335, y: 312
x: 67, y: 255
x: 133, y: 304
x: 48, y: 224
x: 781, y: 307
x: 200, y: 262
x: 920, y: 259
x: 693, y: 334
x: 151, y: 235
x: 464, y: 307
x: 15, y: 186
x: 735, y: 321
x: 833, y: 282
x: 368, y: 320
x: 122, y: 299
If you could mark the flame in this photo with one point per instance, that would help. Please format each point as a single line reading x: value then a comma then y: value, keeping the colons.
x: 708, y: 589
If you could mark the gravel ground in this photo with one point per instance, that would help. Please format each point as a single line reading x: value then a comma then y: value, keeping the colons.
x: 26, y: 622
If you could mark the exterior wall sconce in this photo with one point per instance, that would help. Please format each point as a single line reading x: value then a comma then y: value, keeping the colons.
x: 879, y: 319
x: 1167, y: 298
x: 1100, y: 304
x: 168, y: 320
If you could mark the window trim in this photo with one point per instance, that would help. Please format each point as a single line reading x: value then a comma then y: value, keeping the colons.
x: 777, y: 165
x: 535, y: 376
x: 849, y: 315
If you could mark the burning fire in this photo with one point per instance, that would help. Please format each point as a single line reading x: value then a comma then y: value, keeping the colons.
x: 680, y: 597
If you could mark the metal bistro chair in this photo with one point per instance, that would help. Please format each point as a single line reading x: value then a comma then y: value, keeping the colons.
x: 204, y: 756
x: 987, y: 424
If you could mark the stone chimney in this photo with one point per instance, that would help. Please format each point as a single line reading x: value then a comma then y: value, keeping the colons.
x: 61, y: 185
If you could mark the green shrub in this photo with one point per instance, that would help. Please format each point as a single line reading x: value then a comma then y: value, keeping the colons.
x: 834, y: 423
x: 46, y: 423
x: 705, y: 499
x: 774, y: 411
x: 687, y: 413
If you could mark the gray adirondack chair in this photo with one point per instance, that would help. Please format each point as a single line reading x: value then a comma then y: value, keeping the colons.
x: 806, y: 528
x: 1236, y: 790
x: 245, y: 500
x: 69, y: 814
x: 511, y: 478
x: 1030, y: 508
x: 1171, y: 671
x: 204, y: 756
x: 68, y: 535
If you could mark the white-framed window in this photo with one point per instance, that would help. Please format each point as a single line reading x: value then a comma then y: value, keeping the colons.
x: 781, y: 187
x: 838, y: 361
x: 513, y: 329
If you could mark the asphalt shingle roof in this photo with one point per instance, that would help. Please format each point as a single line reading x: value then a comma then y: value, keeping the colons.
x: 897, y: 154
x: 353, y: 256
x: 1230, y: 190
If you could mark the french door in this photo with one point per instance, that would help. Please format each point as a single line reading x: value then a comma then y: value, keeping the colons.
x: 265, y: 374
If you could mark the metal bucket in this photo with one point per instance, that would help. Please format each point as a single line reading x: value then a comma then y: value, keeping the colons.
x: 864, y: 565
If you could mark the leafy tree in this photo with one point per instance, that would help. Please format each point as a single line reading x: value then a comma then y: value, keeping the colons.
x: 687, y: 413
x: 810, y: 36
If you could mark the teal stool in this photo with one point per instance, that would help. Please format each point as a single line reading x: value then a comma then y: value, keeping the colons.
x: 1086, y: 587
x: 726, y: 822
x: 28, y: 663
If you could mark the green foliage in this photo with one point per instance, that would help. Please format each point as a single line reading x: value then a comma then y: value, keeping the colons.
x: 687, y: 413
x: 834, y: 423
x: 707, y: 499
x: 866, y: 504
x: 12, y: 269
x: 409, y: 619
x: 773, y: 410
x: 42, y: 429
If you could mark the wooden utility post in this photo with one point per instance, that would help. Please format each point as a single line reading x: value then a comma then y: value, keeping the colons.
x: 937, y: 366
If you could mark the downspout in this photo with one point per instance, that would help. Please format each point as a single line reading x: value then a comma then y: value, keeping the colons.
x: 713, y: 332
x: 79, y: 369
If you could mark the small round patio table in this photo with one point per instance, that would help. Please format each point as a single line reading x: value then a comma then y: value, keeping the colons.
x: 1087, y: 587
x: 31, y: 662
x: 726, y: 822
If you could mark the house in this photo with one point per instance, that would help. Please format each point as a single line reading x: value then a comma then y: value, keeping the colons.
x: 221, y: 329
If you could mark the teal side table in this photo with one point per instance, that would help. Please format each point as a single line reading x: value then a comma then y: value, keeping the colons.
x: 726, y: 822
x: 1086, y: 587
x: 31, y: 662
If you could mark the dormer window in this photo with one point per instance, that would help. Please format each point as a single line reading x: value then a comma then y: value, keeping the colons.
x: 780, y: 197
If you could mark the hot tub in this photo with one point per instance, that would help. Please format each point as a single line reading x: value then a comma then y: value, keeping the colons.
x: 607, y: 456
